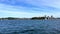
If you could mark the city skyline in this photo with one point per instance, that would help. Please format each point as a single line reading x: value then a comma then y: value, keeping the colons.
x: 29, y: 8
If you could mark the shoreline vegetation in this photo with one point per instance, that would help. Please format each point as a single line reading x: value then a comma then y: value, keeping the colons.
x: 33, y: 18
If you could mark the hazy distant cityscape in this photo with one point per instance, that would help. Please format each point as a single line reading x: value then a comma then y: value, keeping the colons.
x: 33, y: 18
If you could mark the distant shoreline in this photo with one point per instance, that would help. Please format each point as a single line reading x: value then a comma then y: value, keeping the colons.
x: 33, y: 18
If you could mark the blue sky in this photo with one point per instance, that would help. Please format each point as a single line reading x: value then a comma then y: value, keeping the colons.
x: 29, y: 8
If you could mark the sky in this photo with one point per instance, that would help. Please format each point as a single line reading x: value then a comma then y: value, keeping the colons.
x: 29, y: 8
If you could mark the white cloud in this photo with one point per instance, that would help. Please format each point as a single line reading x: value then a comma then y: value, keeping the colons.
x: 52, y: 3
x: 23, y: 11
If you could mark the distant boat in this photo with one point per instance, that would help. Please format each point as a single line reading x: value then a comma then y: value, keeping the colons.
x: 45, y: 18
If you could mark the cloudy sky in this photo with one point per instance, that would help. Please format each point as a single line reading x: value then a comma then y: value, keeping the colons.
x: 29, y: 8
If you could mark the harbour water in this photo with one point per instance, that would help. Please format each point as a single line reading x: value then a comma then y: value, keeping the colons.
x: 30, y: 27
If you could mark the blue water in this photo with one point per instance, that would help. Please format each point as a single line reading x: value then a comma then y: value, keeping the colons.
x: 30, y: 27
